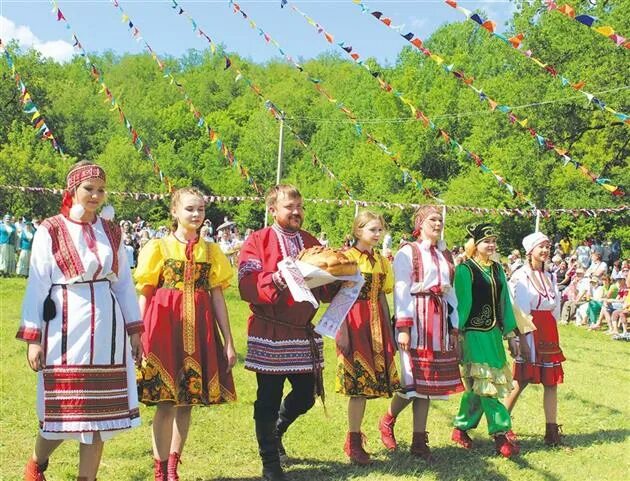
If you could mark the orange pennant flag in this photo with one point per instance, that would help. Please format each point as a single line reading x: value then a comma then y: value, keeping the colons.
x: 416, y: 42
x: 516, y: 40
x: 386, y: 21
x: 567, y: 10
x: 329, y: 37
x: 451, y: 3
x: 493, y: 104
x: 489, y: 25
x: 579, y: 86
x: 355, y: 56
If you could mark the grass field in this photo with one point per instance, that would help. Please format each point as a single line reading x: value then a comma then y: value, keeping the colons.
x: 594, y: 410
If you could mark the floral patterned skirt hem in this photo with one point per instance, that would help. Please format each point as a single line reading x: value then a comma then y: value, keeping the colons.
x: 358, y: 378
x: 487, y: 381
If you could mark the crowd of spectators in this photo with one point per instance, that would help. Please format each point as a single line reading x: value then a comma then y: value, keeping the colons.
x: 592, y: 277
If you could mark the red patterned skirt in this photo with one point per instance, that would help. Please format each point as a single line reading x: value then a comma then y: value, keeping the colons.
x: 545, y: 347
x: 365, y: 353
x: 188, y: 374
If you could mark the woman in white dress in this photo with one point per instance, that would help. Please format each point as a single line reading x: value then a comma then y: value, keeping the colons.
x: 82, y: 324
x: 426, y: 329
x: 536, y: 296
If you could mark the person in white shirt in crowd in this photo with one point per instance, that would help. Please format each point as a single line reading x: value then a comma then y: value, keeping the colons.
x: 598, y: 267
x: 130, y: 251
x: 591, y: 292
x: 575, y: 295
x: 226, y: 244
x: 556, y: 260
x: 205, y: 233
x: 583, y: 253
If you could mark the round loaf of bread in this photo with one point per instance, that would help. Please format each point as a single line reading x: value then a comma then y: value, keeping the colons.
x: 334, y: 262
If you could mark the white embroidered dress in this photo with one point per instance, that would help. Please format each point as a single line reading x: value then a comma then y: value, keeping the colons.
x: 88, y: 383
x: 429, y: 369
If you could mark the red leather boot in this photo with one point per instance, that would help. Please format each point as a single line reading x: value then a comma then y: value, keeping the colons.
x: 160, y: 469
x: 504, y: 446
x: 386, y: 427
x: 354, y: 449
x: 462, y: 438
x: 173, y: 461
x: 420, y: 445
x: 34, y: 471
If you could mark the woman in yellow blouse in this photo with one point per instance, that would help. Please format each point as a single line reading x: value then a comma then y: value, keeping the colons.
x: 365, y: 350
x: 181, y: 279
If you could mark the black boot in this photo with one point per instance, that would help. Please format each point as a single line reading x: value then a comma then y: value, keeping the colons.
x: 268, y: 450
x: 283, y: 423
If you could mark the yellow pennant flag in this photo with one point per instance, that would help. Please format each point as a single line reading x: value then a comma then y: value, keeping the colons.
x: 125, y: 18
x: 605, y: 31
x: 523, y: 122
x: 36, y: 115
x: 439, y: 60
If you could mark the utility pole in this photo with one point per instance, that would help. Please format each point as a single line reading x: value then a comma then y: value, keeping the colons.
x: 280, y: 153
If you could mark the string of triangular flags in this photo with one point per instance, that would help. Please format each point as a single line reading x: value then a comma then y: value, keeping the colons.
x: 590, y: 21
x: 543, y: 142
x: 416, y: 111
x: 515, y: 43
x: 371, y: 139
x: 97, y: 76
x: 28, y: 105
x: 269, y: 105
x: 513, y: 212
x: 202, y: 123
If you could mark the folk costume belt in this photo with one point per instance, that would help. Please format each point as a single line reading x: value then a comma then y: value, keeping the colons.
x: 309, y: 331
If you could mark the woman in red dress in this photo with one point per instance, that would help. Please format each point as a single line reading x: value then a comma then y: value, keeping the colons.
x: 181, y: 279
x: 365, y: 349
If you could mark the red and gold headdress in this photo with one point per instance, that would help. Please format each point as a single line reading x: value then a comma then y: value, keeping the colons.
x: 74, y: 178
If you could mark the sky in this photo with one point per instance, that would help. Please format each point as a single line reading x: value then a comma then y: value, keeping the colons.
x: 99, y: 27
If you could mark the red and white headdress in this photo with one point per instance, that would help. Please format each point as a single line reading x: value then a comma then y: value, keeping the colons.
x: 74, y: 178
x: 83, y: 173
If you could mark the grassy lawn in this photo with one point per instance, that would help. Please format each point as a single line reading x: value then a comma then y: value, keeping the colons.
x: 593, y: 410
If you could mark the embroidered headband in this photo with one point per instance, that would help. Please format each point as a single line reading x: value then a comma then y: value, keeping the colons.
x: 480, y: 232
x: 422, y: 213
x: 83, y: 173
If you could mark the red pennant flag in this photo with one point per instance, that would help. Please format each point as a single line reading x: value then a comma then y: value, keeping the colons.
x: 489, y: 25
x: 387, y: 21
x: 451, y: 3
x: 355, y: 56
x: 416, y: 42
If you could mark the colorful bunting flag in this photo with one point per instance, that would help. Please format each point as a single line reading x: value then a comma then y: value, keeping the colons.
x: 550, y: 69
x: 201, y: 121
x: 414, y: 110
x: 316, y: 82
x: 97, y: 76
x: 28, y: 106
x: 588, y: 20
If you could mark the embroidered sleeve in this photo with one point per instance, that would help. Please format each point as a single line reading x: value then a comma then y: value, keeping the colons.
x: 463, y: 290
x: 403, y: 300
x: 125, y: 294
x: 255, y: 285
x: 221, y: 270
x: 37, y: 287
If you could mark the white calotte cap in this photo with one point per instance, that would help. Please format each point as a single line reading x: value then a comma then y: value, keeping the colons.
x: 532, y: 240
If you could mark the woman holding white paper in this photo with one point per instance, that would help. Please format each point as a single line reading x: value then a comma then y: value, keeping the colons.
x: 365, y: 349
